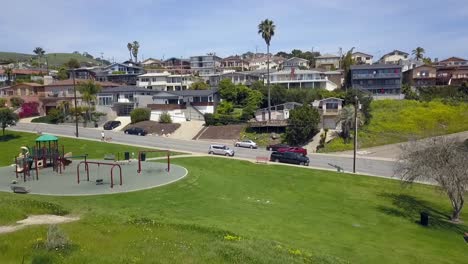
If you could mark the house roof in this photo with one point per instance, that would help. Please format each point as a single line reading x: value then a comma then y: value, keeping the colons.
x: 24, y: 71
x: 123, y: 64
x: 362, y: 53
x: 394, y: 51
x: 375, y: 66
x: 452, y: 59
x: 184, y: 93
x: 296, y: 58
x: 331, y: 98
x: 295, y: 72
x: 26, y: 83
x: 328, y: 55
x: 155, y: 74
x: 46, y: 138
x: 69, y: 82
x: 150, y: 61
x: 235, y: 57
x: 123, y: 89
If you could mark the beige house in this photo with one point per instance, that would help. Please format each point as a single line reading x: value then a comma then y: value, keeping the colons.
x: 328, y: 61
x: 362, y: 58
x: 330, y: 110
x: 394, y: 57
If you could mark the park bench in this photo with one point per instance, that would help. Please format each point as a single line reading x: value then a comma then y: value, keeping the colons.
x: 19, y: 189
x: 260, y: 159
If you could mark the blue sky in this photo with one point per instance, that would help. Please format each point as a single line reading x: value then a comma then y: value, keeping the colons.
x: 167, y: 28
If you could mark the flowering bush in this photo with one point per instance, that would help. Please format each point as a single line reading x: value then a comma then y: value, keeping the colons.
x: 29, y: 109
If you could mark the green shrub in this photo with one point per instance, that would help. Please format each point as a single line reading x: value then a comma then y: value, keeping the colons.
x: 42, y: 119
x: 16, y: 101
x: 3, y: 102
x: 165, y: 118
x: 140, y: 114
x: 219, y: 120
x: 56, y: 239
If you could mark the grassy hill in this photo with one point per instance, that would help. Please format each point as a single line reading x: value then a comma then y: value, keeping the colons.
x: 395, y: 121
x: 55, y: 59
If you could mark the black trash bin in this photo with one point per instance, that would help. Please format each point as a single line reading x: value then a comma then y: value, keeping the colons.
x: 127, y: 155
x: 143, y: 156
x: 424, y: 219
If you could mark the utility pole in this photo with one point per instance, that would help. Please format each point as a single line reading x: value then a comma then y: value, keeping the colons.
x: 76, y: 107
x: 356, y: 108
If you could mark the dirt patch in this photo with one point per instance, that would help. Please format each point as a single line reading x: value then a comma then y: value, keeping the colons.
x: 154, y: 127
x: 38, y: 220
x: 223, y: 132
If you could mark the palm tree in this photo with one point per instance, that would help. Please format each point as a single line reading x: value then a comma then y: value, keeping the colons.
x: 135, y: 48
x: 418, y: 53
x: 8, y: 72
x: 39, y: 52
x: 88, y: 91
x: 347, y: 121
x: 130, y: 48
x: 267, y: 29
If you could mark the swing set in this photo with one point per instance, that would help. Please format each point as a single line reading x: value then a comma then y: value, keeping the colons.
x: 87, y: 163
x: 142, y: 157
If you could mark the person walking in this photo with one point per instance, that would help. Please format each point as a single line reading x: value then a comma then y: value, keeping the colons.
x: 103, y: 137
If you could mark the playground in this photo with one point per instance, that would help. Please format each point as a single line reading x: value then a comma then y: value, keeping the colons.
x: 48, y: 170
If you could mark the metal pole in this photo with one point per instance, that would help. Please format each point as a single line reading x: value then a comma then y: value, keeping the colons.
x: 76, y: 107
x: 268, y: 82
x: 356, y: 105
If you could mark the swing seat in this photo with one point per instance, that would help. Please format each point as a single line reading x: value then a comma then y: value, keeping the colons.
x: 99, y: 181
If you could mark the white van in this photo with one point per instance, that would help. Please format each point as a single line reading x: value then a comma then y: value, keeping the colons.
x: 221, y: 150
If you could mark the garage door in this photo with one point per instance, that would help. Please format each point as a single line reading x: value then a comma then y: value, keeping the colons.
x: 329, y: 123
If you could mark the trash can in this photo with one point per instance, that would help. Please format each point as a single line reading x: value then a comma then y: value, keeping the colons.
x: 424, y: 219
x: 143, y: 156
x: 127, y: 155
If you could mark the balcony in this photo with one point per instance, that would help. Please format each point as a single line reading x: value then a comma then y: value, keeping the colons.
x: 376, y: 76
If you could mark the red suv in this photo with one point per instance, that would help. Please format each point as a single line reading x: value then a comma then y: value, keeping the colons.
x: 294, y: 149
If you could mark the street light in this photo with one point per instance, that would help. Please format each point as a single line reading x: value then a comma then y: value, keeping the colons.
x: 76, y: 108
x: 356, y: 107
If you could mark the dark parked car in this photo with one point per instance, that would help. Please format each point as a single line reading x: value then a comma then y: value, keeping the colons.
x: 109, y: 125
x: 289, y: 157
x: 136, y: 131
x: 275, y: 147
x: 299, y: 150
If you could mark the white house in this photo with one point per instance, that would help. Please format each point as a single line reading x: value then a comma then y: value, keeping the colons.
x: 330, y: 110
x: 164, y: 81
x: 295, y: 62
x: 306, y: 79
x: 180, y: 105
x: 260, y: 63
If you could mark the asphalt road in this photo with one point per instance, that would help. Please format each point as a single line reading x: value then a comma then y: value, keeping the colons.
x: 375, y: 167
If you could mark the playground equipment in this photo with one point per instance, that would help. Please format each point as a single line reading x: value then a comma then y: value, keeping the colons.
x: 86, y: 163
x: 142, y: 157
x: 23, y: 164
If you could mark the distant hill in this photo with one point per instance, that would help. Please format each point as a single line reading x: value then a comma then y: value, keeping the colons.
x: 54, y: 59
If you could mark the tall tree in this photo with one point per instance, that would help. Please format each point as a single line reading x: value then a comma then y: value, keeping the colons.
x: 39, y: 52
x: 88, y: 91
x: 440, y: 160
x: 7, y: 117
x: 267, y: 29
x: 72, y: 63
x: 303, y: 124
x: 130, y: 48
x: 418, y: 53
x: 346, y: 62
x: 135, y: 48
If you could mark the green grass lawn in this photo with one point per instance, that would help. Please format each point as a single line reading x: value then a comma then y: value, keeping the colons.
x: 230, y: 211
x: 395, y: 121
x: 10, y: 147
